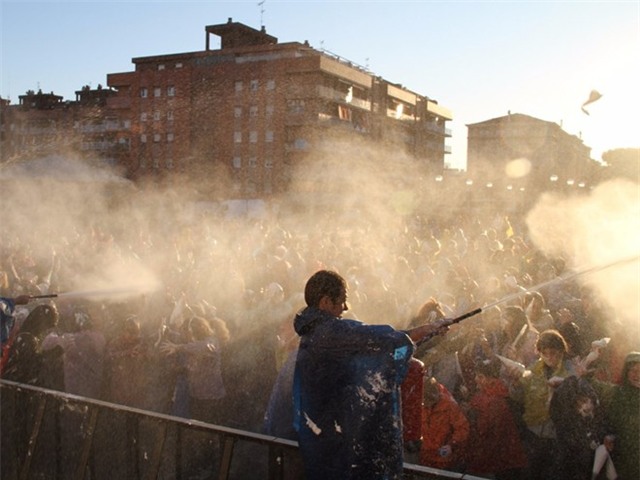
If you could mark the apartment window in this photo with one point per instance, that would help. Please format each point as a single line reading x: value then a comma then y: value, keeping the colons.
x: 170, y: 115
x: 143, y: 138
x: 268, y: 136
x: 253, y: 111
x: 156, y: 163
x: 156, y: 116
x: 254, y: 85
x: 271, y: 85
x: 295, y: 106
x: 300, y: 144
x: 237, y: 112
x: 239, y: 86
x: 144, y: 92
x: 269, y: 110
x: 169, y: 163
x: 253, y: 136
x: 252, y: 162
x: 161, y: 66
x: 268, y: 163
x: 237, y: 162
x: 237, y: 137
x: 127, y: 124
x: 143, y: 117
x: 171, y: 91
x: 156, y: 137
x: 170, y: 137
x: 179, y: 65
x: 157, y: 92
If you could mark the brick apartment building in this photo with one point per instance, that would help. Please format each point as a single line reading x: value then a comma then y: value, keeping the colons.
x: 246, y: 112
x: 553, y: 154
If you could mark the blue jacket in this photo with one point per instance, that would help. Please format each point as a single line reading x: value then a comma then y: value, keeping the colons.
x: 347, y: 397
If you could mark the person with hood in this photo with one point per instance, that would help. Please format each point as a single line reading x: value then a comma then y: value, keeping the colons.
x: 577, y: 417
x: 623, y: 415
x: 28, y: 362
x: 347, y: 387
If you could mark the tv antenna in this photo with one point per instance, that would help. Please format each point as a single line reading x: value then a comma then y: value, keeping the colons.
x: 261, y: 5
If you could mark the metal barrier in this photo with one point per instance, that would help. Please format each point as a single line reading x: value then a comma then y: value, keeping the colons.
x: 82, y: 433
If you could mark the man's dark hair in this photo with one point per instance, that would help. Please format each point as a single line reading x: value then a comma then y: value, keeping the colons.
x: 321, y: 283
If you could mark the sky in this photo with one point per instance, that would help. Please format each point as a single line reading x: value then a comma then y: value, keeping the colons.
x: 480, y: 59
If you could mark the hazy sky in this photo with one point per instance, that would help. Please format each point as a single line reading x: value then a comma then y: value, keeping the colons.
x: 480, y: 59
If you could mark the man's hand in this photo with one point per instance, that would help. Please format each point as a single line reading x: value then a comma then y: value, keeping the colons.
x: 22, y: 299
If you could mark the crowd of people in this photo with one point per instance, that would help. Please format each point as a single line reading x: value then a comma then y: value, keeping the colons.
x: 530, y: 388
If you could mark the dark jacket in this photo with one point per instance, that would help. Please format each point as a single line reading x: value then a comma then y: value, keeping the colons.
x: 347, y: 397
x: 624, y: 418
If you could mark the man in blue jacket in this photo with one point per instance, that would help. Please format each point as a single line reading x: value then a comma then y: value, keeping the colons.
x: 347, y: 387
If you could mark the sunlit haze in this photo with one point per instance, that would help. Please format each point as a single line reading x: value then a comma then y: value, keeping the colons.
x: 479, y: 59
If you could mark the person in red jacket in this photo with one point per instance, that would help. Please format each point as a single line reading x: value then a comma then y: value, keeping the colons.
x: 411, y: 393
x: 445, y: 429
x: 495, y: 447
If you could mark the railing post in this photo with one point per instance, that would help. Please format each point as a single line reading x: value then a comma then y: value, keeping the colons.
x: 156, y: 456
x: 33, y: 439
x: 276, y: 463
x: 88, y: 442
x: 227, y: 453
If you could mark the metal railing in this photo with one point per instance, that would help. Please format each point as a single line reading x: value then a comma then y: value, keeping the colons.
x: 37, y: 425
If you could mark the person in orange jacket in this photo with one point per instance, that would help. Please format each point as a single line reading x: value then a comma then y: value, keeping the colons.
x: 445, y: 429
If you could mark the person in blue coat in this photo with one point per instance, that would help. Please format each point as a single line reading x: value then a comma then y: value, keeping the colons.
x: 347, y: 387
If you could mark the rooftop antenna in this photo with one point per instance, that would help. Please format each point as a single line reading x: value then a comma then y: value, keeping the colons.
x: 261, y: 5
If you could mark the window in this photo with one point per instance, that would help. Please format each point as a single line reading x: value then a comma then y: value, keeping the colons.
x: 156, y: 163
x: 127, y: 124
x: 295, y: 106
x: 143, y: 117
x: 179, y: 65
x: 157, y: 92
x: 253, y: 111
x: 171, y: 91
x: 268, y: 163
x: 237, y: 112
x: 300, y: 144
x: 253, y: 136
x: 170, y: 115
x: 161, y: 66
x: 237, y: 137
x: 144, y: 92
x: 170, y: 137
x: 254, y: 85
x: 143, y: 138
x: 237, y: 162
x: 269, y: 110
x: 268, y: 136
x: 271, y: 84
x: 238, y: 86
x: 156, y: 116
x: 156, y: 137
x: 252, y: 162
x: 169, y: 163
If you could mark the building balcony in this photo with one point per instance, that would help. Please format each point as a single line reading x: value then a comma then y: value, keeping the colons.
x: 334, y: 95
